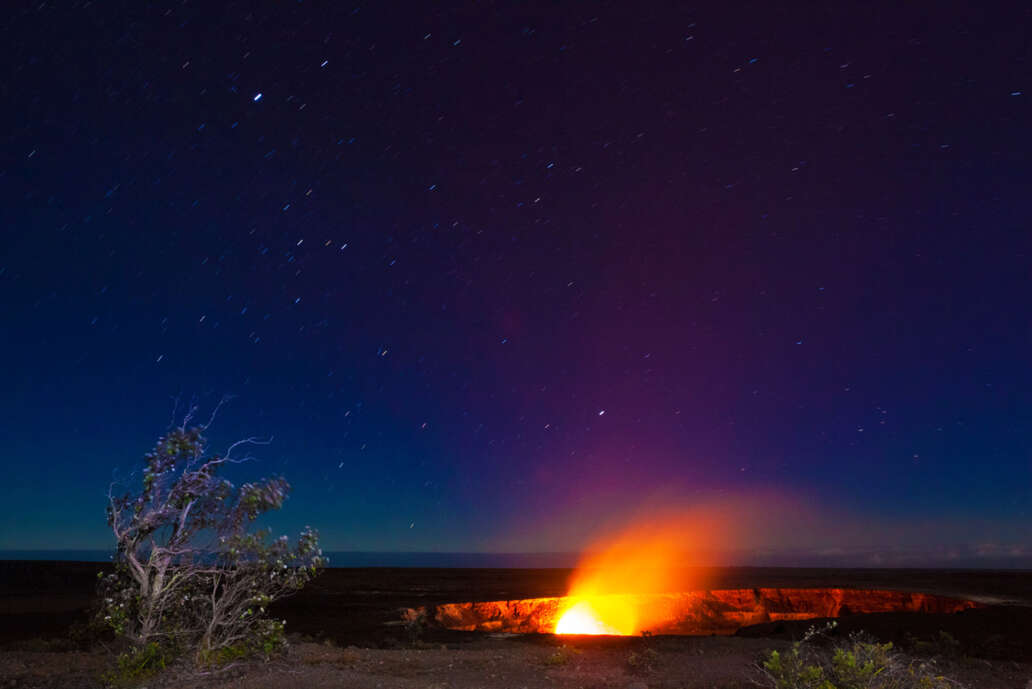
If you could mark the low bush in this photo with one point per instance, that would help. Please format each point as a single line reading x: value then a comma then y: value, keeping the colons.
x: 562, y: 656
x: 643, y: 661
x: 138, y: 664
x: 942, y: 645
x: 857, y: 662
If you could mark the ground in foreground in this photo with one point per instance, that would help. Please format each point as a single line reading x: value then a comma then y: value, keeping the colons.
x: 348, y: 633
x: 488, y: 662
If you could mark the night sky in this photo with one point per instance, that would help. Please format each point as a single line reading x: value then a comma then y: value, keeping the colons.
x: 493, y: 274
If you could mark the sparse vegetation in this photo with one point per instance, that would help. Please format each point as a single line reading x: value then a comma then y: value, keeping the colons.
x: 854, y: 663
x: 642, y: 661
x: 190, y: 573
x: 137, y: 664
x: 415, y: 626
x: 561, y: 656
x: 942, y: 645
x: 225, y: 655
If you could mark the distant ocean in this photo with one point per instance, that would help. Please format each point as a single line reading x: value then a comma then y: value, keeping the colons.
x: 953, y: 558
x: 354, y: 559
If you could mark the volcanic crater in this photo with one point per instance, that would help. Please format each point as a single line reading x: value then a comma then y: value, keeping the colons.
x: 702, y: 612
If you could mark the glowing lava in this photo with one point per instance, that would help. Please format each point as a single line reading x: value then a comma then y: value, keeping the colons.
x: 700, y: 612
x: 582, y: 618
x: 615, y: 585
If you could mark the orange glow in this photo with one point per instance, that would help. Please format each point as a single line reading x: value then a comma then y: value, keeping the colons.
x: 582, y: 618
x: 710, y: 611
x: 610, y: 589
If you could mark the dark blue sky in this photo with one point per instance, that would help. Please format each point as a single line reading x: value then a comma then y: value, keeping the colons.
x: 491, y: 273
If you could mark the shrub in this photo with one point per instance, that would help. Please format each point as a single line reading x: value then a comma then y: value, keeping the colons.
x: 190, y: 573
x: 642, y: 662
x: 138, y: 663
x: 855, y: 663
x: 561, y: 656
x: 942, y: 645
x: 416, y: 625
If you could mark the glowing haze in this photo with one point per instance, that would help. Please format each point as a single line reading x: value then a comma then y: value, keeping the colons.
x: 667, y: 545
x: 655, y: 553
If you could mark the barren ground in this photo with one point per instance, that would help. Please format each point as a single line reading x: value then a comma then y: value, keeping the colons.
x: 345, y: 633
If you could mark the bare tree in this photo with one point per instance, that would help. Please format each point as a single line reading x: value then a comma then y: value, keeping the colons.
x: 190, y: 571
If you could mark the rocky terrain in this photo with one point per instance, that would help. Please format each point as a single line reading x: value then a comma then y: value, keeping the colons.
x: 354, y: 628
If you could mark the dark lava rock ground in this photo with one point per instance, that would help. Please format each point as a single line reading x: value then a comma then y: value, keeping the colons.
x: 346, y: 631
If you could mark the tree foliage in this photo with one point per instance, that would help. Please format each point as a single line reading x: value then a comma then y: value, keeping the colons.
x: 191, y: 571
